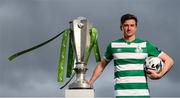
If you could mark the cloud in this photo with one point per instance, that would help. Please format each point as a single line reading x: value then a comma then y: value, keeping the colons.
x: 27, y: 23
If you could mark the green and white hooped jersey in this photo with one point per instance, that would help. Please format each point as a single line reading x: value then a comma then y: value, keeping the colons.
x: 129, y: 74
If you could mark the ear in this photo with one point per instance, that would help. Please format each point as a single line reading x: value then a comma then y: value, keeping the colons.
x: 121, y: 27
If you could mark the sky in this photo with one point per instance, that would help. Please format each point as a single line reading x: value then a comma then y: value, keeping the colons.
x: 25, y: 23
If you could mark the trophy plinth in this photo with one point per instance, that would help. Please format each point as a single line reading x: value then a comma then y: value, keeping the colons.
x: 79, y: 93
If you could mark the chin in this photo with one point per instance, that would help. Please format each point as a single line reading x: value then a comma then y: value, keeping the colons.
x: 129, y: 35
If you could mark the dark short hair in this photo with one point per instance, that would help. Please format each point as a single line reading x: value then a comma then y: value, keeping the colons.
x: 127, y: 17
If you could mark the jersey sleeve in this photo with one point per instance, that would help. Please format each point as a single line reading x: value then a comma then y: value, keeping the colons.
x: 108, y: 53
x: 153, y: 50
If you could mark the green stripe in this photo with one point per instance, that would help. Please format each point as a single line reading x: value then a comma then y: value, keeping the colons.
x: 121, y: 86
x: 127, y: 50
x: 129, y: 73
x: 132, y: 96
x: 128, y: 61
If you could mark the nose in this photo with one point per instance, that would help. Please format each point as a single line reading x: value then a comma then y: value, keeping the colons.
x: 128, y: 28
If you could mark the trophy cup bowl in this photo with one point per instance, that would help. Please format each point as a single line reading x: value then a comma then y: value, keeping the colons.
x: 81, y: 43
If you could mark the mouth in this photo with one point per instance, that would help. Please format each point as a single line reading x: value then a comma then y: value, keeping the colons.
x: 129, y: 32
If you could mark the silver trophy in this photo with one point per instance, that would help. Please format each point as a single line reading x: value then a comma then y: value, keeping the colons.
x: 81, y: 43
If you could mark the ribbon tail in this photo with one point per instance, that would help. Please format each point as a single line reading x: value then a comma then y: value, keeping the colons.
x: 62, y: 56
x: 97, y: 52
x: 68, y: 81
x: 70, y: 62
x: 33, y: 48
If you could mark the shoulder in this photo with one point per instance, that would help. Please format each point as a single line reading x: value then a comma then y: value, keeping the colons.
x: 120, y: 40
x: 114, y: 42
x: 140, y: 40
x: 148, y: 43
x: 117, y: 40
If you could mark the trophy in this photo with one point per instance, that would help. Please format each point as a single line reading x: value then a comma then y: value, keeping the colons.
x: 81, y: 44
x: 83, y: 38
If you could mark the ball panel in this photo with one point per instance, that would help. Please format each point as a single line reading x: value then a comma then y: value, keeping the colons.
x: 154, y: 63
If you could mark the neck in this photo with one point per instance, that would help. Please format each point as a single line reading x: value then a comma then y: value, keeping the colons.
x: 129, y: 38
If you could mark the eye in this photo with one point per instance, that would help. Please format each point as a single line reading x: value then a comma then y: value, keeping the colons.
x: 132, y: 25
x: 125, y: 25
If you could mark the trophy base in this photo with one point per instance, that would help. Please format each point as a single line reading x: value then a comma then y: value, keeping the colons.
x: 80, y: 85
x: 79, y: 93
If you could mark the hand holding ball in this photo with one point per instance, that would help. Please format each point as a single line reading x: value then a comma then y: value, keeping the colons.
x: 154, y: 63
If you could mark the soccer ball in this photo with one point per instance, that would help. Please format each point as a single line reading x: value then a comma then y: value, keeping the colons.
x: 154, y: 63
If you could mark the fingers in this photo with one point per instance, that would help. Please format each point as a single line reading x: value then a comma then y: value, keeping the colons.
x: 150, y: 71
x: 89, y: 82
x: 152, y: 74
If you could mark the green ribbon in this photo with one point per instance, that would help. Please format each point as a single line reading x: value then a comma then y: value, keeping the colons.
x: 71, y: 57
x: 34, y: 47
x: 62, y: 56
x: 96, y: 46
x: 93, y: 45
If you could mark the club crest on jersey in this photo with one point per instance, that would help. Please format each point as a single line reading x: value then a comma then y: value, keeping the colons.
x: 138, y: 49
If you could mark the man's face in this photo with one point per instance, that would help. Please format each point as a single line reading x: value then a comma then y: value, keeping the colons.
x: 129, y: 28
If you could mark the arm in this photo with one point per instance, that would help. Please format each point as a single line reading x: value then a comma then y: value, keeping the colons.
x: 168, y: 62
x: 98, y: 70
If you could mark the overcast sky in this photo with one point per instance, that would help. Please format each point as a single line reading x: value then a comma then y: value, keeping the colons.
x: 25, y: 23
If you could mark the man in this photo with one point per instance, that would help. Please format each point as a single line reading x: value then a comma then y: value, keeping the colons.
x: 129, y: 55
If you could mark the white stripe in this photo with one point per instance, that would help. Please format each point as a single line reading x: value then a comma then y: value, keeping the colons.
x: 131, y: 79
x: 125, y: 45
x: 132, y: 92
x: 128, y: 67
x: 129, y: 55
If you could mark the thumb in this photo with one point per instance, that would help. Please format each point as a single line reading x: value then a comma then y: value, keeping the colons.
x: 150, y: 71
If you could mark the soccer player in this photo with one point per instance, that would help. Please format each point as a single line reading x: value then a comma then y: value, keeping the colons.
x: 129, y: 55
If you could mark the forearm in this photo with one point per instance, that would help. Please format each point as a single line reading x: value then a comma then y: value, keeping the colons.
x: 97, y: 71
x: 168, y: 63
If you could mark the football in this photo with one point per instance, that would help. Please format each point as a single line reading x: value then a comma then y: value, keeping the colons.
x: 154, y: 63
